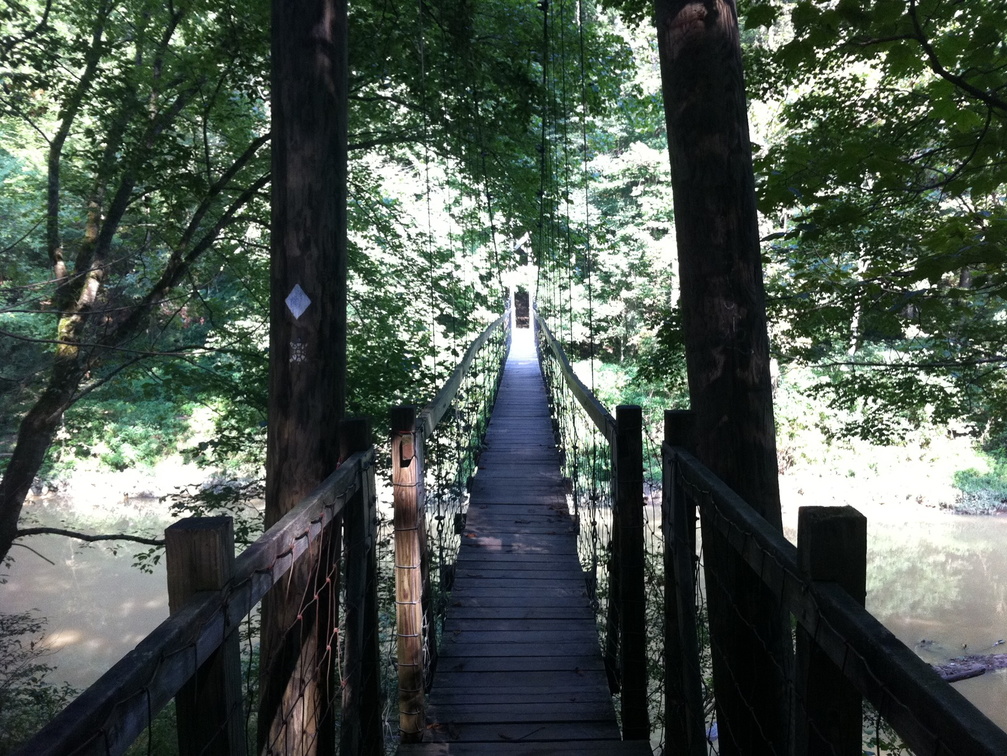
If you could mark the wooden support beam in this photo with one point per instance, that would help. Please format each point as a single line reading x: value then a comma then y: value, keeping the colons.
x: 831, y: 547
x: 629, y: 510
x: 199, y: 552
x: 723, y: 312
x: 683, y: 702
x: 361, y: 729
x: 407, y: 492
x: 307, y: 342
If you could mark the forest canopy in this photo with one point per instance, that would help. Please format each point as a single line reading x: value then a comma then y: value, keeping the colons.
x: 882, y: 187
x: 134, y: 210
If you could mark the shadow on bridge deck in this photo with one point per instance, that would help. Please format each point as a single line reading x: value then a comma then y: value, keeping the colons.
x: 520, y: 668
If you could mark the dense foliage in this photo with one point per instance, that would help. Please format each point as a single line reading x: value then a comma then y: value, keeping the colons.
x: 484, y: 136
x: 134, y: 250
x: 494, y: 145
x: 883, y: 191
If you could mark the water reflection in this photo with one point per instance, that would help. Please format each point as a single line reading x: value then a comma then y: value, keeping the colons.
x: 98, y: 605
x: 938, y: 581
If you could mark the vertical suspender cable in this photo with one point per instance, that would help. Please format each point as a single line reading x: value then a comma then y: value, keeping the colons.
x: 588, y: 273
x: 566, y: 193
x: 587, y: 189
x: 487, y: 189
x: 540, y: 244
x: 424, y: 106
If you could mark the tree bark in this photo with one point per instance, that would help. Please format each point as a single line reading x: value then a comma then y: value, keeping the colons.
x: 727, y: 350
x: 307, y: 370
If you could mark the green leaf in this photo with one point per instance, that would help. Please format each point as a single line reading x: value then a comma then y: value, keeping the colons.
x: 804, y: 15
x: 887, y: 11
x: 903, y: 58
x: 851, y: 10
x: 761, y: 15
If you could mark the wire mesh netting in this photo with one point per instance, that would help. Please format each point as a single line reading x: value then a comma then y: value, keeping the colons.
x: 434, y: 458
x: 585, y: 433
x: 451, y: 458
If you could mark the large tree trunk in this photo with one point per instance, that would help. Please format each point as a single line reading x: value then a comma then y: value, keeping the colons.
x: 727, y: 350
x: 307, y: 349
x: 35, y: 434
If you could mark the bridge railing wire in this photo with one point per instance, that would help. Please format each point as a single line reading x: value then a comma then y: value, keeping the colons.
x: 192, y: 656
x: 602, y: 458
x: 844, y: 655
x: 585, y: 430
x: 434, y: 458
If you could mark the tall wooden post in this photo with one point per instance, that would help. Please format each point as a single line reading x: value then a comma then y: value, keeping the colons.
x: 727, y: 351
x: 410, y: 543
x: 307, y: 341
x: 629, y: 494
x: 361, y: 729
x: 199, y: 552
x: 613, y: 620
x: 683, y: 700
x: 832, y: 547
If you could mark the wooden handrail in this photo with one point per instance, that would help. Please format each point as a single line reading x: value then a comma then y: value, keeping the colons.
x: 924, y: 710
x: 600, y: 416
x: 432, y: 414
x: 148, y: 677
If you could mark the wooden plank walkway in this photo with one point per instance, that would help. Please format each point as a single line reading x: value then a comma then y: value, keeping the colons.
x: 520, y: 670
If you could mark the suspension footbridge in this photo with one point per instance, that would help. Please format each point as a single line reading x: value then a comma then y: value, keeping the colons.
x: 520, y: 669
x: 531, y: 582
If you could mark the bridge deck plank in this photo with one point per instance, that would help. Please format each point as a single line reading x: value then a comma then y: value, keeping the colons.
x: 520, y: 670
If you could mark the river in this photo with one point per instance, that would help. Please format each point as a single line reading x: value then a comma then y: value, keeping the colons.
x: 938, y: 581
x: 97, y: 605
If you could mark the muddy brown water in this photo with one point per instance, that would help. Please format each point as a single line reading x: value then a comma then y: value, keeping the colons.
x: 938, y: 581
x: 97, y: 605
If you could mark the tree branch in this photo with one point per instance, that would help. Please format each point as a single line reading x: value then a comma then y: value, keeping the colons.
x: 70, y: 110
x: 999, y: 360
x: 91, y: 538
x: 28, y: 35
x: 39, y: 554
x: 179, y: 265
x: 27, y: 233
x: 938, y: 68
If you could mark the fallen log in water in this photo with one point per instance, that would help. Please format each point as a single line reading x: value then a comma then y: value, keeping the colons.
x: 973, y: 665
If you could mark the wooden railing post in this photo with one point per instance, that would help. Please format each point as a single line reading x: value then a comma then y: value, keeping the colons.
x: 410, y: 544
x: 683, y: 701
x: 361, y: 730
x: 629, y: 510
x: 199, y: 552
x: 613, y: 619
x: 831, y: 547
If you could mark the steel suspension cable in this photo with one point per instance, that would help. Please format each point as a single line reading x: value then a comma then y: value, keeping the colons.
x: 581, y: 17
x: 540, y: 244
x: 424, y: 107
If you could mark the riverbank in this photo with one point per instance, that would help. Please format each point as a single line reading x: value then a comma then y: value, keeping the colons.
x: 936, y: 565
x: 930, y: 470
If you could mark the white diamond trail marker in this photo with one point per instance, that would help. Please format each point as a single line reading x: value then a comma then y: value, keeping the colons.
x: 297, y: 301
